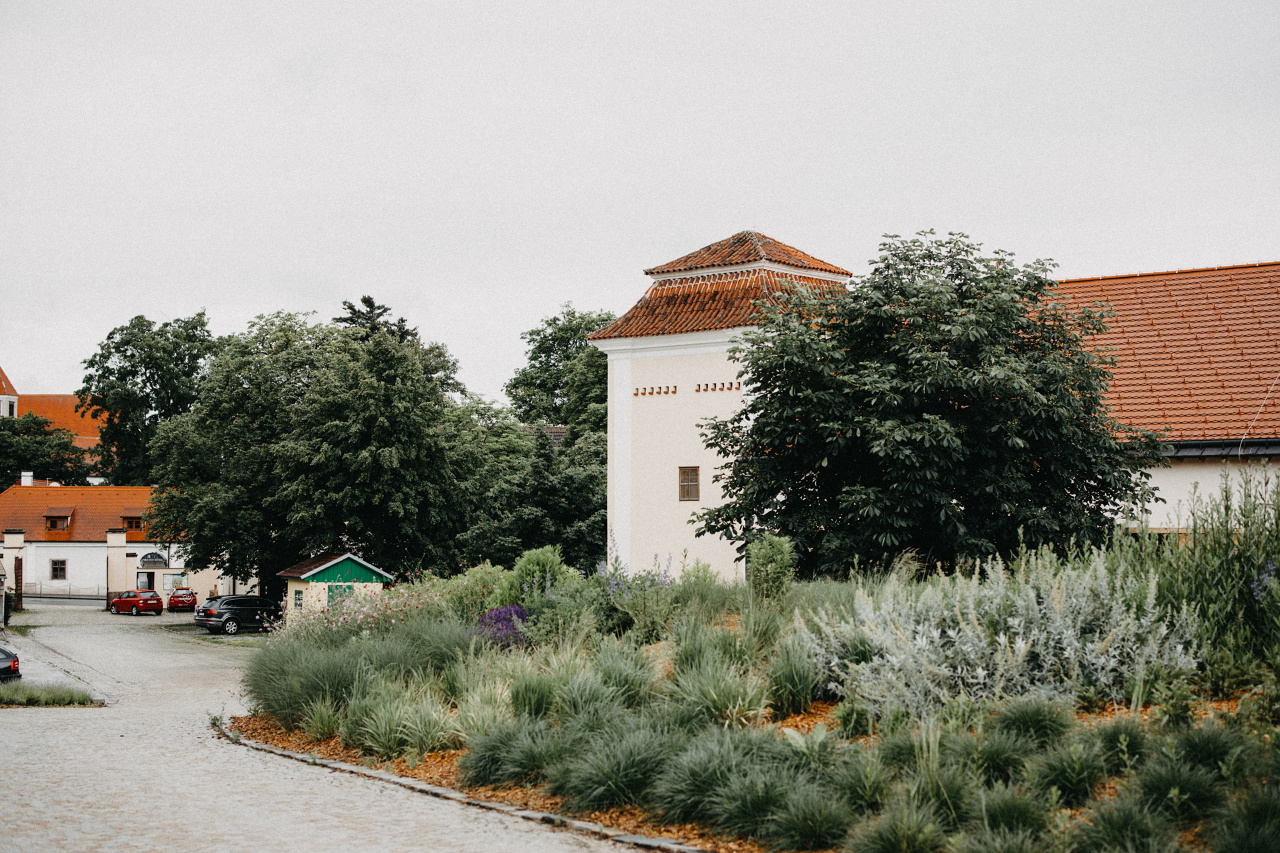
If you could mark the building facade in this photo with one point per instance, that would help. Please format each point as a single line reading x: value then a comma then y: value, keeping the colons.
x: 1197, y: 351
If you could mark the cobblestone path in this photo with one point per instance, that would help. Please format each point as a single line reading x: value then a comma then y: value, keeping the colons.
x: 146, y: 774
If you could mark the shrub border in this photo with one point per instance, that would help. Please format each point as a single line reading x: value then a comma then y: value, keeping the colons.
x: 596, y: 830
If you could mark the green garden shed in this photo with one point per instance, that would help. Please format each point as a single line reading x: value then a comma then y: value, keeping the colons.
x: 319, y: 582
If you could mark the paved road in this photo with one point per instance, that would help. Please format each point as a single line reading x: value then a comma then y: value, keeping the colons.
x: 146, y: 774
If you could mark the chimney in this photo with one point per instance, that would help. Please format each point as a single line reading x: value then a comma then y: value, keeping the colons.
x: 117, y: 570
x: 27, y: 477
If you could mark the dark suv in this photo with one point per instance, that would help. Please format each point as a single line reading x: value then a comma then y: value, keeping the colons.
x: 229, y: 613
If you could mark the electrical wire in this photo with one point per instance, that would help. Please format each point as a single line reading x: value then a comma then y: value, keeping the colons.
x: 1240, y: 449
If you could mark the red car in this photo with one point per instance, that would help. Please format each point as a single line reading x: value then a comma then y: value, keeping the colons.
x: 137, y: 601
x: 182, y: 598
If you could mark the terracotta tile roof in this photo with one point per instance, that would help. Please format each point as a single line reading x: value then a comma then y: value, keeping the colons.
x: 700, y: 303
x: 6, y: 387
x: 93, y: 509
x: 746, y: 247
x: 1196, y: 350
x: 311, y: 564
x: 61, y: 409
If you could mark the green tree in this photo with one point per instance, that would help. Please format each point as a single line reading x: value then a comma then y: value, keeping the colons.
x: 369, y: 320
x: 32, y: 443
x: 308, y: 438
x: 540, y: 391
x: 141, y: 376
x: 551, y: 497
x: 947, y: 403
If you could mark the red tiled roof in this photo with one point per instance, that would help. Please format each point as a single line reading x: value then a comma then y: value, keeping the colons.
x: 745, y: 247
x: 297, y: 570
x: 93, y: 509
x: 700, y: 303
x: 61, y: 409
x: 6, y: 387
x: 1196, y: 350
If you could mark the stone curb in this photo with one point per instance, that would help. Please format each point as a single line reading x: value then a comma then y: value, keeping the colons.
x: 617, y: 836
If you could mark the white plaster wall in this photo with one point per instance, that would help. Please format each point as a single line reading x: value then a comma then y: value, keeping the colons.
x: 1177, y: 483
x: 86, y: 563
x: 653, y: 435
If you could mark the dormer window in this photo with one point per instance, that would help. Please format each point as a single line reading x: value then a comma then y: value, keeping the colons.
x: 58, y: 517
x: 133, y: 524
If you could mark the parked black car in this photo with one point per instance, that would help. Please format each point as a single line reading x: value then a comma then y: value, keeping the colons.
x: 229, y: 613
x: 8, y: 666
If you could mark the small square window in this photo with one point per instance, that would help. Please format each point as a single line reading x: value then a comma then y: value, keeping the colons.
x: 56, y: 523
x: 688, y: 484
x: 57, y: 570
x: 133, y: 524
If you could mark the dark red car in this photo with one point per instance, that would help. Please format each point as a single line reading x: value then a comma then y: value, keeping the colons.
x: 137, y: 601
x: 182, y: 598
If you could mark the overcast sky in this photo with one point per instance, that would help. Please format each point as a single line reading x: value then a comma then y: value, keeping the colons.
x: 475, y: 165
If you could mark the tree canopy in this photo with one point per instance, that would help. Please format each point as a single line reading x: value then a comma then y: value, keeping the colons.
x: 141, y: 376
x: 947, y: 403
x: 32, y: 443
x: 561, y: 362
x: 308, y: 438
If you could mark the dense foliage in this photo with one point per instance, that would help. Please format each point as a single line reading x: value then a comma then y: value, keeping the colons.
x: 947, y: 402
x: 565, y: 375
x: 687, y: 729
x: 32, y: 443
x: 307, y: 439
x: 142, y: 375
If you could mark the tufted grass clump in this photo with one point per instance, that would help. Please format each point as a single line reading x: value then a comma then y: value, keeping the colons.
x: 947, y: 792
x: 1179, y: 790
x: 1042, y: 721
x: 287, y: 677
x: 694, y: 776
x: 746, y: 803
x: 793, y: 679
x: 1124, y: 744
x: 43, y: 696
x: 1001, y: 841
x: 853, y: 719
x: 699, y: 646
x: 904, y: 828
x: 625, y: 669
x: 1001, y: 756
x: 1003, y: 808
x: 860, y: 780
x: 320, y: 719
x: 533, y: 695
x: 1124, y: 824
x: 809, y: 819
x: 1074, y: 770
x: 1215, y: 748
x: 427, y: 726
x: 719, y: 695
x: 611, y: 771
x: 511, y: 752
x: 1250, y: 824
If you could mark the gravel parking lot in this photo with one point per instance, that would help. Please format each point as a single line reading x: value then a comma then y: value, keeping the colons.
x: 145, y: 773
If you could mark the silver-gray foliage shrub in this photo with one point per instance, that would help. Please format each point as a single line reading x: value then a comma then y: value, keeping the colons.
x: 1043, y: 626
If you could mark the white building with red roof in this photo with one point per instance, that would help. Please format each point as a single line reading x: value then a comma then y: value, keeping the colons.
x: 85, y: 540
x: 1198, y: 358
x: 59, y: 408
x: 669, y: 370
